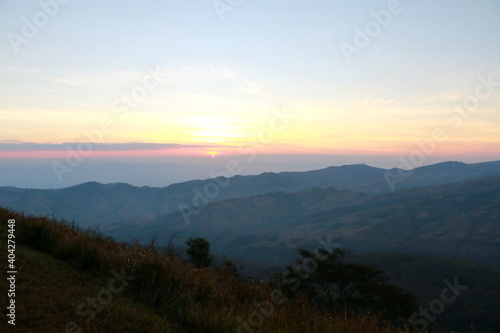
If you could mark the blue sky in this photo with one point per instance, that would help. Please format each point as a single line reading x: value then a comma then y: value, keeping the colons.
x: 222, y: 80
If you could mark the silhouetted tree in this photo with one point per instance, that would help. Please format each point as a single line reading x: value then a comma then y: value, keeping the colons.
x: 330, y: 283
x: 199, y: 251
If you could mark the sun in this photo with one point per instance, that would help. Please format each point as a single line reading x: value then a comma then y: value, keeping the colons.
x: 215, y: 129
x: 212, y: 153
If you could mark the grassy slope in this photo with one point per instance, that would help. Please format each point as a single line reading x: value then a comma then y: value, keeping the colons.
x: 165, y: 295
x: 49, y: 291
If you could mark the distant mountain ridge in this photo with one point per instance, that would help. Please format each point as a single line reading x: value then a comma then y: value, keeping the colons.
x: 461, y: 219
x: 99, y: 204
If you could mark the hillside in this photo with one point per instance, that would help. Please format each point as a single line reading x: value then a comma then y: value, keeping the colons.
x: 69, y: 279
x: 423, y: 275
x: 100, y: 204
x: 456, y: 219
x: 49, y: 291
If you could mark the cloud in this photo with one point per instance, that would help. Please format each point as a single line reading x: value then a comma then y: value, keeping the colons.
x: 204, y: 73
x: 108, y: 79
x: 20, y: 69
x: 9, y: 141
x: 175, y: 74
x: 18, y: 146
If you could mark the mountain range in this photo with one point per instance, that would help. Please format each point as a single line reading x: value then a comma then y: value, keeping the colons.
x: 461, y: 219
x: 100, y: 204
x: 448, y: 208
x: 418, y: 225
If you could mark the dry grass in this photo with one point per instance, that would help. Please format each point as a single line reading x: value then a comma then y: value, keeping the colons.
x: 166, y: 294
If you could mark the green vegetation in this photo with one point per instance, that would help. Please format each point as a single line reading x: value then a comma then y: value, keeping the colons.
x: 423, y: 275
x: 199, y: 252
x: 68, y: 275
x: 337, y: 286
x: 50, y: 290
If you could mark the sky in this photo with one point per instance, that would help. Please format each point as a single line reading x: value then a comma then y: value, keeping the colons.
x: 86, y: 81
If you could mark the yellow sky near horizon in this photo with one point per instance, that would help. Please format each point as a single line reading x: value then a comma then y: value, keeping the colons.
x: 175, y: 78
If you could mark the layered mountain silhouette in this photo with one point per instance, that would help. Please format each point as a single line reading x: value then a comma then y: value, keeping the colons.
x: 460, y: 219
x: 100, y: 204
x: 448, y: 209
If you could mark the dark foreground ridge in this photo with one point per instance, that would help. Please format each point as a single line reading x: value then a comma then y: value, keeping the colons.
x: 74, y: 280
